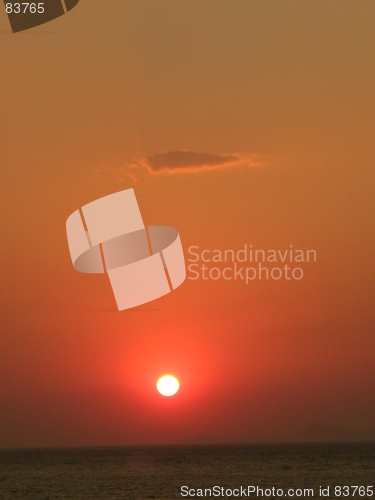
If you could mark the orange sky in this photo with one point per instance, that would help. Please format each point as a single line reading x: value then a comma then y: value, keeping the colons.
x: 84, y: 100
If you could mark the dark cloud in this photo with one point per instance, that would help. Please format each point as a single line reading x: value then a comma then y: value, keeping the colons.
x: 188, y: 160
x: 176, y: 161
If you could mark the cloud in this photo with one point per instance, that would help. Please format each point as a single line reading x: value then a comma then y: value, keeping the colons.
x: 175, y: 162
x: 178, y: 161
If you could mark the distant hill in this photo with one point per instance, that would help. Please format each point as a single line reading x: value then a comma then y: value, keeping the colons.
x: 329, y: 432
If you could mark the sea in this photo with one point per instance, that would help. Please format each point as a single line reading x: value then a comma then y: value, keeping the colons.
x: 341, y: 470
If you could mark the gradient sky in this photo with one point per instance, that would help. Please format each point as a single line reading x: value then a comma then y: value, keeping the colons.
x: 87, y: 101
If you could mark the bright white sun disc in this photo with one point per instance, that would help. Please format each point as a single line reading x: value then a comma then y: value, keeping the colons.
x: 167, y: 385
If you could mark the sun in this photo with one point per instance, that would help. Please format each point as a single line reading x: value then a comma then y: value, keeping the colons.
x: 168, y: 385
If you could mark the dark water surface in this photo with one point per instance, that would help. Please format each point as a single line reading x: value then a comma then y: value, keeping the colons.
x: 159, y: 472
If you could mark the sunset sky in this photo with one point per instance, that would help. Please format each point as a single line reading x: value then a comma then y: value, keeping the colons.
x: 236, y: 122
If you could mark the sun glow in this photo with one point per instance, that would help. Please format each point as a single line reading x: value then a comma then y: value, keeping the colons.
x: 168, y: 385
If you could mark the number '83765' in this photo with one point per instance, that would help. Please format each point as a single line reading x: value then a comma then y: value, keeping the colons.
x: 24, y: 7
